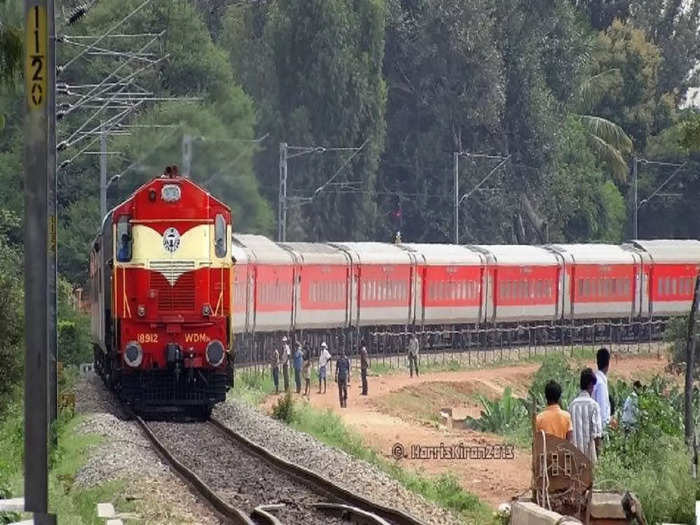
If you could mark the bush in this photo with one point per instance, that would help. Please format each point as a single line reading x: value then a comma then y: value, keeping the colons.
x: 652, y: 461
x: 74, y: 340
x: 554, y: 367
x: 11, y: 319
x: 284, y: 408
x: 502, y: 415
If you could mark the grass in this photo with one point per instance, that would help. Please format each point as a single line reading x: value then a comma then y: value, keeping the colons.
x: 71, y: 504
x: 443, y: 490
x: 251, y: 386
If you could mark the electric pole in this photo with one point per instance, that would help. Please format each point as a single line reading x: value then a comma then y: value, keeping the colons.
x: 455, y: 162
x: 282, y: 205
x: 186, y: 155
x: 636, y: 197
x: 103, y: 171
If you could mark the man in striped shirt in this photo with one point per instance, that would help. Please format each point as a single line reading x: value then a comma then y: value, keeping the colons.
x: 585, y: 416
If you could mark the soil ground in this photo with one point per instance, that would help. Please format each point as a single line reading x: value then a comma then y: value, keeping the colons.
x: 401, y: 409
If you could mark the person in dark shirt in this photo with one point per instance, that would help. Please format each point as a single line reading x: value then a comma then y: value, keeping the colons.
x: 364, y: 365
x: 342, y: 377
x: 123, y: 253
x: 298, y: 362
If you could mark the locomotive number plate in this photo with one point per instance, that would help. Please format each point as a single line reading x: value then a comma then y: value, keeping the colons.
x: 147, y: 338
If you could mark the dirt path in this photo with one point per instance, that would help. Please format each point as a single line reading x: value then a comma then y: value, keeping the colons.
x: 383, y: 426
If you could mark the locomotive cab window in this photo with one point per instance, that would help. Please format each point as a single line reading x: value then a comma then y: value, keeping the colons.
x: 124, y: 240
x: 220, y: 236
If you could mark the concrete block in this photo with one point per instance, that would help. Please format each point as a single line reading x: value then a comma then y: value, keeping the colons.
x: 12, y: 505
x: 105, y: 510
x: 607, y: 505
x: 114, y: 522
x: 527, y: 513
x: 25, y: 522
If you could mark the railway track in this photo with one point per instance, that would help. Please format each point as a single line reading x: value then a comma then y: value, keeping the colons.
x: 247, y: 484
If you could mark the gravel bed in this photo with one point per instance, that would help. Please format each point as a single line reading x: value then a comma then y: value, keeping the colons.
x: 124, y: 453
x: 239, y: 477
x: 355, y: 475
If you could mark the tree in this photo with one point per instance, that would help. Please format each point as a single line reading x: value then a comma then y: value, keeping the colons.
x: 629, y: 93
x: 691, y: 134
x: 607, y: 139
x: 333, y: 96
x: 582, y: 203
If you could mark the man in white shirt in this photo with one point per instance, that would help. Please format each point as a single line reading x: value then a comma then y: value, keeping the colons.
x: 323, y: 357
x: 600, y: 392
x: 585, y: 417
x: 286, y: 355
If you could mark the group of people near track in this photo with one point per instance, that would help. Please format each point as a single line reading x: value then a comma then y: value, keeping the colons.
x: 300, y: 361
x: 590, y: 413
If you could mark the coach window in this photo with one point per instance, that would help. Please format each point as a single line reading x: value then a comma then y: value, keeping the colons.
x: 220, y: 236
x: 674, y: 286
x: 124, y: 240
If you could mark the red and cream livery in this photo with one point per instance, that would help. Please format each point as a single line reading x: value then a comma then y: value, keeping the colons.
x: 162, y: 296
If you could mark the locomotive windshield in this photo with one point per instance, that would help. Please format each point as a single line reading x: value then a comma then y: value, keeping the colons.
x: 123, y: 239
x: 220, y: 236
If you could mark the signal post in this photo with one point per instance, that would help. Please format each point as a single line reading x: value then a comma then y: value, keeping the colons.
x: 40, y: 251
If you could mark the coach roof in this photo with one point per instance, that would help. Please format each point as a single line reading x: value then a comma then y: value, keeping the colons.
x: 445, y: 254
x: 264, y: 250
x: 376, y: 252
x: 316, y: 253
x: 518, y: 254
x: 595, y: 253
x: 671, y: 250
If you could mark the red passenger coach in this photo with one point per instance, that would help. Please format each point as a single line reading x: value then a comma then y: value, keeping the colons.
x: 449, y: 284
x: 521, y: 283
x: 162, y: 298
x: 673, y: 268
x: 601, y: 280
x: 322, y: 281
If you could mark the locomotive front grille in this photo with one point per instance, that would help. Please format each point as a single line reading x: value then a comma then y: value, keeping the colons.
x: 174, y: 283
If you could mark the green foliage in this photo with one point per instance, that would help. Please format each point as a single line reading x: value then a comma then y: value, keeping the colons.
x: 333, y: 97
x: 74, y: 340
x: 653, y: 461
x: 556, y: 367
x: 11, y: 318
x: 582, y: 204
x: 691, y: 134
x: 502, y: 415
x: 284, y: 408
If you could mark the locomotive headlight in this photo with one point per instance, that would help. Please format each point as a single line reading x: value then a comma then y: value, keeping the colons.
x: 215, y: 353
x: 133, y: 354
x: 141, y: 310
x: 206, y: 310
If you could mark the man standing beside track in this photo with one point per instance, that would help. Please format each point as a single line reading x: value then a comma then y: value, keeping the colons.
x: 323, y: 360
x: 413, y: 348
x: 364, y: 365
x: 298, y: 363
x: 275, y: 365
x: 600, y: 391
x: 342, y: 377
x: 285, y: 362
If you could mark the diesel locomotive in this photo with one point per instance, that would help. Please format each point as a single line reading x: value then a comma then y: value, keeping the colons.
x: 160, y: 275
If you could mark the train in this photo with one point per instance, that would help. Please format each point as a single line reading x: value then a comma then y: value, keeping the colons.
x: 177, y: 295
x: 347, y: 291
x: 161, y: 299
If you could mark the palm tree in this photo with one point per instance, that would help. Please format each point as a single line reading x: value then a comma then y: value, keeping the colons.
x: 607, y: 139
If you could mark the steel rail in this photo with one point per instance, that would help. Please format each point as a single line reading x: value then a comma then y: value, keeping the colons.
x: 230, y: 512
x: 366, y: 507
